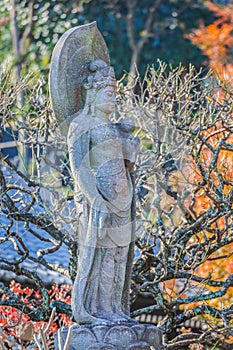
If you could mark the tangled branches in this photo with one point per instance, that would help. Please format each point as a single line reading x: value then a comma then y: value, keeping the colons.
x: 185, y: 205
x: 183, y: 255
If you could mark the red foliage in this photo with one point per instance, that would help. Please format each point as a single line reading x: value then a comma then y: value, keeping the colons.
x: 15, y: 323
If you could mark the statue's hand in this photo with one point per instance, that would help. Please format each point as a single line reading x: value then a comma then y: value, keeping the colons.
x: 104, y: 221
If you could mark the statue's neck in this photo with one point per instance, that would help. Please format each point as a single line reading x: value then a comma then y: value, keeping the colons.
x: 101, y: 117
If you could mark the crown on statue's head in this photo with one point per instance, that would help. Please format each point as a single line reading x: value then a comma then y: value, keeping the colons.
x: 100, y: 75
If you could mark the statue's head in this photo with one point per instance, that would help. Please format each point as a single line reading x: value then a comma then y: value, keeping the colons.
x: 100, y: 81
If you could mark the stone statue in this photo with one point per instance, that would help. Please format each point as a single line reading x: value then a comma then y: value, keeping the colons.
x: 102, y: 156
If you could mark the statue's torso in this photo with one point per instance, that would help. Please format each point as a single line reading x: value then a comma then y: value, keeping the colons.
x: 108, y: 165
x: 105, y: 146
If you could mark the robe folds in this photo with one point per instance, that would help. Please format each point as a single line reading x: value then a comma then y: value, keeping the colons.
x: 94, y: 239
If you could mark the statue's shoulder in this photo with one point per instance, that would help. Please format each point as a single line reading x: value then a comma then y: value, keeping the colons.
x: 79, y: 127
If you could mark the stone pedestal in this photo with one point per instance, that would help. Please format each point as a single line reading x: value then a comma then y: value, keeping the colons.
x: 113, y: 337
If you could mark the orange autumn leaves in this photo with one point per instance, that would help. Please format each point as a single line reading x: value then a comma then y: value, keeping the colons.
x: 219, y: 265
x: 215, y: 159
x: 218, y: 166
x: 212, y: 161
x: 216, y: 40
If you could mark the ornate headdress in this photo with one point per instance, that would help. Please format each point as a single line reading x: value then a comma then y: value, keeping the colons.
x: 100, y: 75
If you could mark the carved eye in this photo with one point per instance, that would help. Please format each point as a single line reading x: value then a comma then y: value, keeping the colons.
x: 110, y: 94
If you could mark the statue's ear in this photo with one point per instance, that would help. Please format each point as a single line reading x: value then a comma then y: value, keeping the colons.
x: 87, y: 85
x: 88, y: 82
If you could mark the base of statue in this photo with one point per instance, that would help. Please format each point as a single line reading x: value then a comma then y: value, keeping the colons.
x: 112, y: 337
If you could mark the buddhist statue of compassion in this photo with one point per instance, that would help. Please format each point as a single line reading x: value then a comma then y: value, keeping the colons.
x: 102, y: 154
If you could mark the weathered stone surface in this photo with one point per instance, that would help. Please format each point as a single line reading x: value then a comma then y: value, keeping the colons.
x: 139, y: 329
x: 82, y: 338
x: 120, y: 336
x: 115, y: 337
x: 139, y: 346
x: 99, y: 346
x: 151, y: 335
x: 100, y: 332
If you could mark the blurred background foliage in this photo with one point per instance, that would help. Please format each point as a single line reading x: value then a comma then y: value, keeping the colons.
x: 136, y: 31
x: 29, y: 29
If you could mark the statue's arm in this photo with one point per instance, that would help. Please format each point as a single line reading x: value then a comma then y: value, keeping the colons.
x: 78, y: 146
x: 78, y: 141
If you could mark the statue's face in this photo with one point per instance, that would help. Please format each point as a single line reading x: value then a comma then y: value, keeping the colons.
x: 106, y: 99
